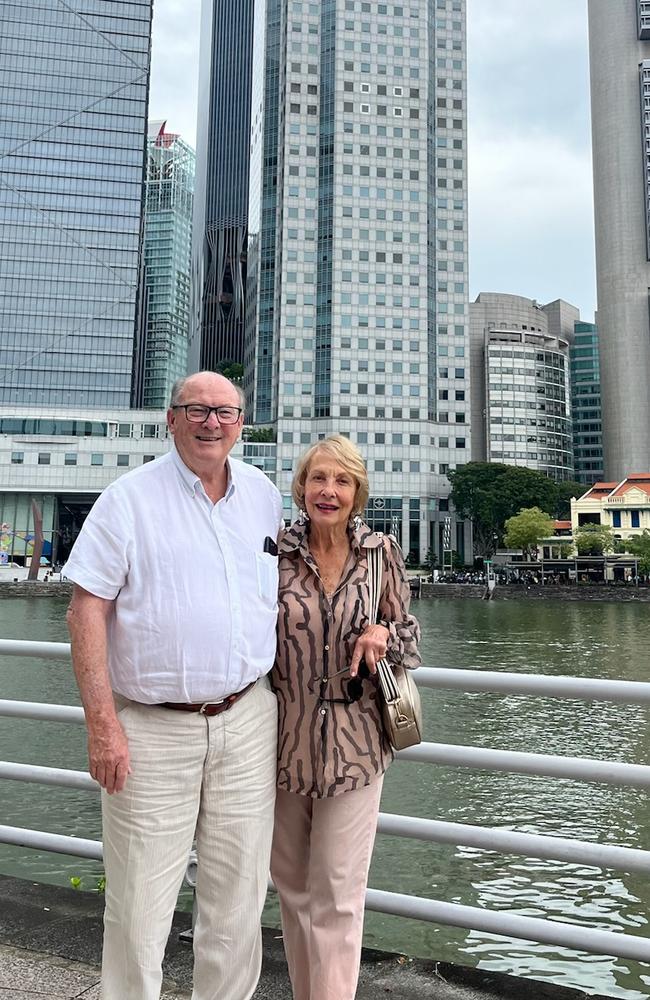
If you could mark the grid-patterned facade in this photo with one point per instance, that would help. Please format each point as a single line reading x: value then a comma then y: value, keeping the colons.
x: 222, y: 176
x: 167, y: 253
x: 586, y: 405
x: 74, y: 83
x: 358, y: 303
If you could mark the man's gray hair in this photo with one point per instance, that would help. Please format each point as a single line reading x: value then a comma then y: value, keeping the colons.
x: 179, y: 385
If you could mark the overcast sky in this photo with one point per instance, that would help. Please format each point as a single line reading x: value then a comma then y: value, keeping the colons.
x: 531, y: 213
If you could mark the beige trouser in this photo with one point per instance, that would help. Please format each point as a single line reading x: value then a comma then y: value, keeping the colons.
x: 319, y: 863
x: 192, y: 776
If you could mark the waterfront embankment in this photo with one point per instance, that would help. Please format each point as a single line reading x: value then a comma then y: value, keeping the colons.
x: 535, y: 592
x: 508, y: 592
x: 50, y: 945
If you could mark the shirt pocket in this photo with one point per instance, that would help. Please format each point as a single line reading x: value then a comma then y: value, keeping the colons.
x: 267, y: 577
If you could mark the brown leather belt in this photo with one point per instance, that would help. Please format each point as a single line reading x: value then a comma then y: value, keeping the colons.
x: 207, y: 707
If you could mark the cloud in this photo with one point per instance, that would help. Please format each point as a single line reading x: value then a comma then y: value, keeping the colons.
x: 175, y: 65
x: 530, y: 175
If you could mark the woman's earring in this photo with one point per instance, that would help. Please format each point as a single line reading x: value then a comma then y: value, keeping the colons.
x: 303, y: 516
x: 356, y: 522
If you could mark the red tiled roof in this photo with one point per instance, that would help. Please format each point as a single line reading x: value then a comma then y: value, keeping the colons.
x: 562, y: 524
x: 599, y: 490
x: 638, y: 481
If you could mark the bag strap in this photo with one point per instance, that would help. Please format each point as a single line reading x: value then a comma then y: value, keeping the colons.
x: 375, y: 572
x: 387, y: 680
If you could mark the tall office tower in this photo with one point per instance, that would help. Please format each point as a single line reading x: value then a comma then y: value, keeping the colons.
x: 358, y: 305
x: 75, y: 82
x: 586, y: 405
x: 167, y: 257
x: 521, y: 401
x: 220, y: 228
x: 619, y: 44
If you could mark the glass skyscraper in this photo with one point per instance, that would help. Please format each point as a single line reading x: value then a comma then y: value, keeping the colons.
x: 357, y: 312
x: 586, y: 405
x: 167, y: 255
x: 220, y: 228
x: 74, y: 81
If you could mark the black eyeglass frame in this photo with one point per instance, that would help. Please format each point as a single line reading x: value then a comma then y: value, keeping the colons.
x: 210, y: 409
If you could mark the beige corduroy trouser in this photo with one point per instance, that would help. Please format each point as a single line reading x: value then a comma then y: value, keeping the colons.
x: 319, y: 863
x: 212, y: 779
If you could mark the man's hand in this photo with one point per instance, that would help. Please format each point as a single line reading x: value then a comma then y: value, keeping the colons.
x: 371, y: 647
x: 108, y: 756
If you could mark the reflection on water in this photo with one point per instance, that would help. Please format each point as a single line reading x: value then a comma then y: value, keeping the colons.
x: 605, y: 640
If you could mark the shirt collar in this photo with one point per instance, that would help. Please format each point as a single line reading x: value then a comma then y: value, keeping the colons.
x: 192, y: 482
x: 296, y: 538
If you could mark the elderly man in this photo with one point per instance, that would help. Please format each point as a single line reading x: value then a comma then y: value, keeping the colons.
x: 172, y: 623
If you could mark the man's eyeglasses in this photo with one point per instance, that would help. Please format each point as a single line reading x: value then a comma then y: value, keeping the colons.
x: 198, y: 414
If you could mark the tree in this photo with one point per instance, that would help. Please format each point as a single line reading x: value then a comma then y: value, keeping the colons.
x: 594, y: 539
x: 526, y: 529
x: 565, y: 492
x: 259, y: 435
x: 639, y: 546
x: 488, y: 493
x: 231, y: 369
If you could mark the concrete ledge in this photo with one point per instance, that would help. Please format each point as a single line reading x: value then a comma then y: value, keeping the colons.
x: 519, y: 592
x: 51, y: 935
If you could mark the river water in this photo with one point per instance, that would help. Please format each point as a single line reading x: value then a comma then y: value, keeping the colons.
x: 592, y: 640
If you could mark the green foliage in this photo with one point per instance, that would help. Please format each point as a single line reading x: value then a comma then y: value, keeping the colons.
x: 77, y: 883
x: 259, y: 435
x: 526, y: 529
x: 488, y: 493
x: 565, y: 491
x: 640, y: 547
x: 566, y: 550
x: 231, y: 369
x: 594, y: 540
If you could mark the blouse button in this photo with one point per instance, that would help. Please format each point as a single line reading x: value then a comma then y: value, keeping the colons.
x: 323, y: 712
x: 327, y: 647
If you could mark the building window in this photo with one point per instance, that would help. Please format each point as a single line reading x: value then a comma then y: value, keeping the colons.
x: 96, y: 458
x: 17, y: 457
x: 147, y: 458
x: 70, y: 458
x: 635, y: 519
x: 616, y: 518
x: 123, y: 461
x: 43, y: 458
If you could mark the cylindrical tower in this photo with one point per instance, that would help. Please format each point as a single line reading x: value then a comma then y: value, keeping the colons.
x: 619, y: 44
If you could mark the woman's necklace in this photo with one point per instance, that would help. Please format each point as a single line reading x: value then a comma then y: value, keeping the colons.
x: 331, y: 563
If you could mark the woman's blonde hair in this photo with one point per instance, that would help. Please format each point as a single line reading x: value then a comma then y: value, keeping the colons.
x: 341, y: 450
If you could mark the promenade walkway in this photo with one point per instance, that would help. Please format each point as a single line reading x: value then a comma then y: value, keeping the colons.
x: 50, y: 943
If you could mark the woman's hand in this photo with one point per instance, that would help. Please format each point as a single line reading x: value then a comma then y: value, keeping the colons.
x: 371, y: 647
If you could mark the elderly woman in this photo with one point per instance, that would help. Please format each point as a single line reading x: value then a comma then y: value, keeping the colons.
x: 332, y: 748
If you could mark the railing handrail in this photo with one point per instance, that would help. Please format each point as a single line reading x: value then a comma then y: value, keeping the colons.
x: 485, y: 838
x: 471, y: 681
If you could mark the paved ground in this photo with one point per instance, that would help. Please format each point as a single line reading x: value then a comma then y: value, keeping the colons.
x: 50, y: 943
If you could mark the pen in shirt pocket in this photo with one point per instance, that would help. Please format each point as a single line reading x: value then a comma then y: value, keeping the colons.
x: 270, y: 546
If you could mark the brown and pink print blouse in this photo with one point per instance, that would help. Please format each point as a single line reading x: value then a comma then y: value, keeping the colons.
x: 329, y: 743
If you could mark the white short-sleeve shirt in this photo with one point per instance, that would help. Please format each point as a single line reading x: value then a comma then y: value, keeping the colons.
x: 195, y: 595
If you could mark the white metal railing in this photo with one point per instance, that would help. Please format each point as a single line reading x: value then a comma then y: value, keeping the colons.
x: 493, y: 839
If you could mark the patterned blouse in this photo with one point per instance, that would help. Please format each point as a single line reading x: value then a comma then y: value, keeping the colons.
x: 328, y: 745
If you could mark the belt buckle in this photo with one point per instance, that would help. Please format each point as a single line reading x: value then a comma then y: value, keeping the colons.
x: 207, y: 704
